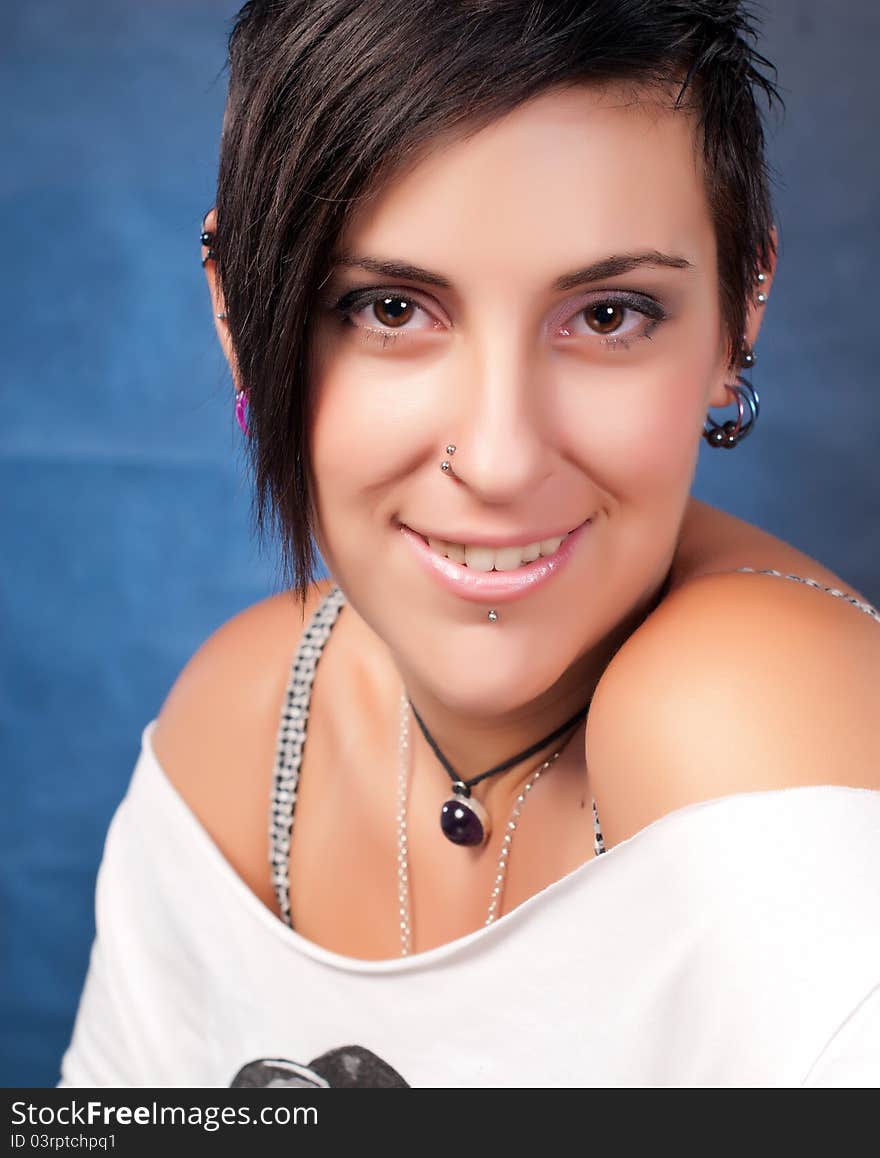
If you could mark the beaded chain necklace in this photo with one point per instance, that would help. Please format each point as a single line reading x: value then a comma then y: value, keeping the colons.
x: 403, y: 776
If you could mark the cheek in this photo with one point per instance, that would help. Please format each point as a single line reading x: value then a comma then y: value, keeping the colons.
x: 635, y: 429
x: 340, y: 453
x: 374, y: 419
x: 361, y: 435
x: 632, y: 436
x: 341, y: 426
x: 362, y: 440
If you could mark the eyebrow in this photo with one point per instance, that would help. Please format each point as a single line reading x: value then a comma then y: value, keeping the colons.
x: 612, y: 266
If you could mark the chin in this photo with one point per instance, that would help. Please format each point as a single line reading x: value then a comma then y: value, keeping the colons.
x: 475, y: 667
x: 479, y: 700
x: 479, y: 677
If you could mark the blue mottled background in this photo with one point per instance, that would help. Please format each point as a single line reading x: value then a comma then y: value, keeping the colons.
x: 126, y: 535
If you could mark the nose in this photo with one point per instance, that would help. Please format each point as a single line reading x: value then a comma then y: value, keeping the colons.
x: 501, y: 443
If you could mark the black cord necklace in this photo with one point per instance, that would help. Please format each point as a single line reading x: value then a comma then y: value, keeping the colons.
x: 463, y: 819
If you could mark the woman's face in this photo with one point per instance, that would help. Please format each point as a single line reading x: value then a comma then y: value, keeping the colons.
x: 565, y: 402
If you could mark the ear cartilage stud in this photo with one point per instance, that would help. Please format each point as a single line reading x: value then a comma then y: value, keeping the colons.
x: 493, y: 615
x: 761, y: 298
x: 762, y: 277
x: 222, y: 317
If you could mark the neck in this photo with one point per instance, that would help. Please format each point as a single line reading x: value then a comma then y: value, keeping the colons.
x: 472, y: 743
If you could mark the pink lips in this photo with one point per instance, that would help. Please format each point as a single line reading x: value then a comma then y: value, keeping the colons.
x: 498, y: 586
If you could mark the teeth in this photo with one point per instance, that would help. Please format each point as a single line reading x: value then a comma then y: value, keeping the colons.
x: 508, y: 558
x: 479, y: 558
x: 492, y: 558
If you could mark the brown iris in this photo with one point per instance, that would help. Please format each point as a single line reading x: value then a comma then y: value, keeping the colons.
x: 605, y: 317
x: 392, y: 311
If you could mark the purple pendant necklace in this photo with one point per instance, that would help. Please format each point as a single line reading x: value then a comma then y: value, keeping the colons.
x: 463, y: 819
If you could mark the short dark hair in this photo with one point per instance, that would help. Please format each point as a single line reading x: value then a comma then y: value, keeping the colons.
x: 326, y: 96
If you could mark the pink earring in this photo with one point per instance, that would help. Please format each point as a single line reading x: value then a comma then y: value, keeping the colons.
x: 241, y: 401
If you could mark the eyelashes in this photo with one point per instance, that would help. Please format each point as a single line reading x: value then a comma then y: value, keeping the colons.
x: 604, y: 309
x: 357, y: 300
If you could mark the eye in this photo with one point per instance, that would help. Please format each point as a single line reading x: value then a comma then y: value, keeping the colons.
x: 618, y: 320
x: 605, y: 318
x: 383, y: 315
x: 393, y: 311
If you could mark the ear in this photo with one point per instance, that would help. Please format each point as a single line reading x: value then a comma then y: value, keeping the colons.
x: 753, y: 319
x: 218, y: 305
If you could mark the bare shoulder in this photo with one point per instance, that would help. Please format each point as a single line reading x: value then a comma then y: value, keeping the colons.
x: 738, y: 682
x: 216, y: 730
x: 713, y: 541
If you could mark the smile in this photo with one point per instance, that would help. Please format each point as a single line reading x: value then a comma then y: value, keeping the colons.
x: 481, y: 572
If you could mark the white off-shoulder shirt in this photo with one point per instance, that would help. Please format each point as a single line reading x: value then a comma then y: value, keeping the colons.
x: 733, y: 942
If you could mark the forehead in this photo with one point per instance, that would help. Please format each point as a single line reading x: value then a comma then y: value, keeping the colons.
x: 578, y: 171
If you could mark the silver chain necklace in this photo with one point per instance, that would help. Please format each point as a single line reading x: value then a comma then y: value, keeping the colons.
x: 404, y: 767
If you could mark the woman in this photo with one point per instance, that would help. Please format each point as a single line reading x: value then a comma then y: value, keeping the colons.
x: 590, y: 789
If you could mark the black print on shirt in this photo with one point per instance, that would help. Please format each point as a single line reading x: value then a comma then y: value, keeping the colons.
x: 347, y: 1067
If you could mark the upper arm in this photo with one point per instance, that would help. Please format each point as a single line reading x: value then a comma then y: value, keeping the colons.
x: 216, y: 732
x: 736, y: 683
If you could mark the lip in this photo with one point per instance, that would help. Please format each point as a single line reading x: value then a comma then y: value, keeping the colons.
x: 497, y: 586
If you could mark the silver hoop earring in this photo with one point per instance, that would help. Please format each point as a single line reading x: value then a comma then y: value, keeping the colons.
x: 730, y: 434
